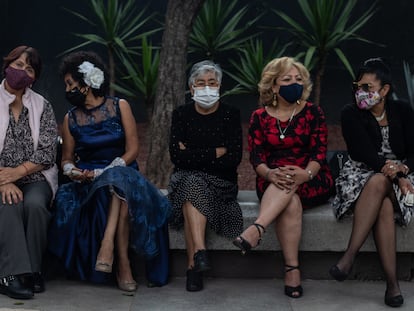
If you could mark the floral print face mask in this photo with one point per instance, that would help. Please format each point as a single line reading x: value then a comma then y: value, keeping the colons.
x: 367, y: 100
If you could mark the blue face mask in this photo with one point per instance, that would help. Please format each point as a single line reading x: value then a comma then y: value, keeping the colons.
x: 292, y: 92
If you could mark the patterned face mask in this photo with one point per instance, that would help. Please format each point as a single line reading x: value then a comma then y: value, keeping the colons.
x: 367, y: 100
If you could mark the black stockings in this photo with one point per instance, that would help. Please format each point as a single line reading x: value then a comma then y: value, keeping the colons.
x: 374, y: 211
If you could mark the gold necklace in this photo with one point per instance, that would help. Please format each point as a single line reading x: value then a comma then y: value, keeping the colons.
x: 282, y: 132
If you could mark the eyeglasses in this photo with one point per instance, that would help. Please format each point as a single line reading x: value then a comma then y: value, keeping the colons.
x: 202, y: 83
x: 361, y: 86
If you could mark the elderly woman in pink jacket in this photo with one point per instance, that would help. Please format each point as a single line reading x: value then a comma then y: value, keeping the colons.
x: 28, y: 174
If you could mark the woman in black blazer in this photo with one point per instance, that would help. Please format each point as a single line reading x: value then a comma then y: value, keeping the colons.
x: 376, y: 184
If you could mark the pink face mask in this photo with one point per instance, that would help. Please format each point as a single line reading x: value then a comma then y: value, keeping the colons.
x: 17, y: 79
x: 366, y: 100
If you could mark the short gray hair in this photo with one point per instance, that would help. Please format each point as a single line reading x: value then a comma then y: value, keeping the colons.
x: 202, y: 68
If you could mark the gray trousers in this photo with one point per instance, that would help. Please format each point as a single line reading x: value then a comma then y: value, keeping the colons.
x: 23, y: 230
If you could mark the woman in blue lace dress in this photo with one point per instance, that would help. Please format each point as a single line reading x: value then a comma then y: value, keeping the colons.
x: 109, y: 207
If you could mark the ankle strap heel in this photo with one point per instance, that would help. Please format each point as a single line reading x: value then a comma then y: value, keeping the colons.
x: 261, y: 231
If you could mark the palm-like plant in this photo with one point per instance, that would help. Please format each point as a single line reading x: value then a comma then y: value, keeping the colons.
x: 409, y: 80
x: 141, y: 76
x: 118, y: 26
x: 248, y: 69
x: 328, y: 26
x: 218, y: 28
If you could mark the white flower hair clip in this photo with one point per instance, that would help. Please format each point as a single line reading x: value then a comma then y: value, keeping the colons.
x: 93, y: 76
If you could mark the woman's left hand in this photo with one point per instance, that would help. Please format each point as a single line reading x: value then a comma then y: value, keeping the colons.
x: 298, y: 174
x: 405, y: 185
x: 8, y: 175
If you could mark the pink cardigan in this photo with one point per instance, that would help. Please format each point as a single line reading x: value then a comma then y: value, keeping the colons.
x: 34, y: 103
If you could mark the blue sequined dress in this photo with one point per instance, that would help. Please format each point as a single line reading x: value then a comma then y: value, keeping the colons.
x: 81, y: 209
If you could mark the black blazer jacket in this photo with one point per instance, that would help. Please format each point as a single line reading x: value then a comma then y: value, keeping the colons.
x: 363, y: 138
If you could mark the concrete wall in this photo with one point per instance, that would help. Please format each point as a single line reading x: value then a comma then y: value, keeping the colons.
x: 46, y: 26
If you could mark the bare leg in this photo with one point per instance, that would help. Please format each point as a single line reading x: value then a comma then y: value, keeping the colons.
x: 188, y: 242
x: 274, y: 202
x: 385, y: 239
x: 289, y: 230
x: 366, y: 213
x: 106, y: 252
x: 122, y: 242
x: 194, y: 230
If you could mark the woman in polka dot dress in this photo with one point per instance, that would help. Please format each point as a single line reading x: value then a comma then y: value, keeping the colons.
x: 206, y: 149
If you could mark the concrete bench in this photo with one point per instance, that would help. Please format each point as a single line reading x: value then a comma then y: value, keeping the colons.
x: 323, y: 241
x: 321, y: 231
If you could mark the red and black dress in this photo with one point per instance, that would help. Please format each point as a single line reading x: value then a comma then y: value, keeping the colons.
x: 305, y: 140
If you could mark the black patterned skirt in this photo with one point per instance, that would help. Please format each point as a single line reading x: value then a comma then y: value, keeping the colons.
x: 349, y: 185
x: 213, y: 197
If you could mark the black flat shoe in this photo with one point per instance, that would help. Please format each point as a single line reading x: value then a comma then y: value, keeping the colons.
x: 395, y: 301
x: 245, y: 245
x: 293, y: 291
x: 38, y: 283
x: 337, y: 274
x: 12, y: 286
x: 201, y: 261
x: 194, y: 281
x: 33, y: 281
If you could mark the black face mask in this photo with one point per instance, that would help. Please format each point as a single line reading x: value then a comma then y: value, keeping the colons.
x: 75, y: 97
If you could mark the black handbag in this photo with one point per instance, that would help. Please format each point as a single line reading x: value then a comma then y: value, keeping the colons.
x: 336, y: 160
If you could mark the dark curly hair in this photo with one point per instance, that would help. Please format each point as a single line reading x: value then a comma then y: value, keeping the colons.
x: 70, y: 64
x: 33, y: 58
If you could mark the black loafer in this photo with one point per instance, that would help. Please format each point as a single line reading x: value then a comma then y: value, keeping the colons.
x: 201, y: 261
x: 14, y: 288
x: 194, y: 281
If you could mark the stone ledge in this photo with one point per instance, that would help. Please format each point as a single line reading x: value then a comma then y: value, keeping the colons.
x: 321, y: 232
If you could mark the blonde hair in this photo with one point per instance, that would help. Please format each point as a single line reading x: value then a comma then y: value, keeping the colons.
x: 273, y: 70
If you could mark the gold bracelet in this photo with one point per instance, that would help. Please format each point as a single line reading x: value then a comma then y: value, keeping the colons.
x: 310, y: 174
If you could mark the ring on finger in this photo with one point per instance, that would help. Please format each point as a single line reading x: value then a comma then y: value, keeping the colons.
x: 288, y: 176
x: 391, y: 167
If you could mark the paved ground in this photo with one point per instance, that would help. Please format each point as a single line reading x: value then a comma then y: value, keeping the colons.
x: 219, y: 294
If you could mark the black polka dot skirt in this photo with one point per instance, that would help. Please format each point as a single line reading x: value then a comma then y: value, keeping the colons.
x: 214, y: 197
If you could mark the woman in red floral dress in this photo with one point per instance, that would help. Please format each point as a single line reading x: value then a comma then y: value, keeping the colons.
x: 287, y: 144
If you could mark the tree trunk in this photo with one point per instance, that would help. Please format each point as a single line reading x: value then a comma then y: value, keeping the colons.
x: 318, y: 80
x: 171, y: 85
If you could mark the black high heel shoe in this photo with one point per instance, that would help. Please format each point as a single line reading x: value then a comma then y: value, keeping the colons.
x: 337, y: 274
x: 245, y: 245
x: 194, y: 282
x: 201, y: 261
x: 395, y: 301
x: 293, y: 291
